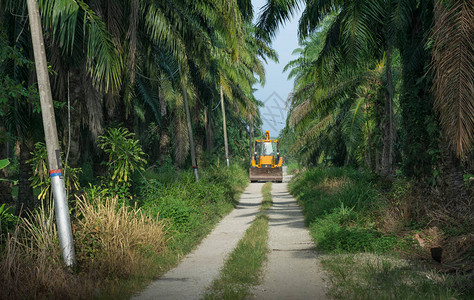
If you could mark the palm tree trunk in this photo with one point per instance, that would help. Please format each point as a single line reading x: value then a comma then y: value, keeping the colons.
x: 209, y: 131
x: 455, y: 191
x: 190, y: 132
x: 226, y: 146
x: 388, y: 126
x: 5, y: 186
x: 164, y: 129
x: 25, y: 200
x: 251, y: 138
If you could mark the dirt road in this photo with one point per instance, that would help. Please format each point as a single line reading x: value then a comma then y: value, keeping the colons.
x: 292, y: 271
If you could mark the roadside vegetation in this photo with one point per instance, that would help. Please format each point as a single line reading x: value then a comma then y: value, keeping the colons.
x: 380, y: 123
x: 137, y: 92
x: 382, y: 243
x: 243, y: 269
x: 129, y: 227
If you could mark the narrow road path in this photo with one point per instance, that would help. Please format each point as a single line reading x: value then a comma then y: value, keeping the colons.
x: 293, y: 270
x: 197, y: 270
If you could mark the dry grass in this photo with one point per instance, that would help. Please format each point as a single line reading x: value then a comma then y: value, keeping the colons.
x: 31, y: 266
x: 115, y: 241
x: 111, y: 242
x: 421, y: 214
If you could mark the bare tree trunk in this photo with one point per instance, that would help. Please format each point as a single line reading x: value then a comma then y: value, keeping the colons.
x: 252, y: 150
x: 226, y: 145
x: 209, y: 131
x: 388, y: 127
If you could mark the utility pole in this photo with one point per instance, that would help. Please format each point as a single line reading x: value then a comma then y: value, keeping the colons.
x: 190, y: 131
x: 61, y: 209
x: 226, y: 146
x: 251, y: 137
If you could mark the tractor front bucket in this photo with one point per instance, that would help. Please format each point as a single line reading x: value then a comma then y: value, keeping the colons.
x: 266, y: 174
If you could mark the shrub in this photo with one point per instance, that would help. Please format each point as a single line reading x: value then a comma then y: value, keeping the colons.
x: 41, y: 178
x: 338, y: 205
x: 125, y: 157
x: 8, y: 220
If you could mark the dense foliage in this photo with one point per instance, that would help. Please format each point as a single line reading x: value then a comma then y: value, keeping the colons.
x: 119, y: 247
x: 134, y: 64
x: 374, y: 88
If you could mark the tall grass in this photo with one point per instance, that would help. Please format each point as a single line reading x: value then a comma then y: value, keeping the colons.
x: 31, y: 265
x: 111, y: 242
x: 116, y: 240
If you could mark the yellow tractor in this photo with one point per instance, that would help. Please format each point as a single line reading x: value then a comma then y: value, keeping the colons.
x: 266, y: 162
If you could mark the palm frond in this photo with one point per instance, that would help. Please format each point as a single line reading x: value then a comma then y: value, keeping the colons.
x: 453, y: 67
x: 273, y: 14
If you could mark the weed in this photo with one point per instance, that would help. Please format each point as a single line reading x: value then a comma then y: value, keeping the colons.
x: 338, y: 204
x: 243, y: 267
x: 31, y: 266
x: 372, y: 276
x: 267, y: 201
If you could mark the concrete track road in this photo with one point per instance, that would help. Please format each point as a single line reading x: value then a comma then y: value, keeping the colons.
x: 292, y: 270
x: 198, y: 269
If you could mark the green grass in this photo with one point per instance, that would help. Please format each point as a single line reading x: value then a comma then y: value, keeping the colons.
x: 339, y: 205
x: 244, y: 266
x: 374, y: 276
x: 267, y: 201
x: 292, y: 167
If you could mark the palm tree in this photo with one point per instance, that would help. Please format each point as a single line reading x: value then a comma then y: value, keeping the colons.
x: 453, y: 86
x: 361, y: 28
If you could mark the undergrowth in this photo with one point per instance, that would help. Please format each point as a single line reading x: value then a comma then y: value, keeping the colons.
x: 120, y: 248
x: 378, y: 239
x: 339, y: 206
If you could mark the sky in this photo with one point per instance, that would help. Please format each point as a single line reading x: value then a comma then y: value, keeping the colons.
x: 277, y: 87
